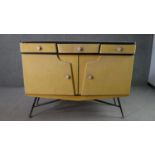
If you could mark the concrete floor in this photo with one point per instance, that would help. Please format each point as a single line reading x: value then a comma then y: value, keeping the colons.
x: 139, y: 106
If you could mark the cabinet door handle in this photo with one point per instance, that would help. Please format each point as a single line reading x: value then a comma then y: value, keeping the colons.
x: 68, y: 77
x: 90, y: 77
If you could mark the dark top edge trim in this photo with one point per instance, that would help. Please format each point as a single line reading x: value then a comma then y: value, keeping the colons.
x: 76, y: 53
x: 78, y: 42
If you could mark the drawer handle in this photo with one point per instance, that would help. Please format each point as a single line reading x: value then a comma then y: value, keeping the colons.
x: 39, y: 48
x: 119, y: 49
x: 68, y: 77
x: 79, y: 49
x: 90, y: 77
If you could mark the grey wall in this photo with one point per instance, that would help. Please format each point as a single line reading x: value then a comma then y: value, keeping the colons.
x: 10, y: 60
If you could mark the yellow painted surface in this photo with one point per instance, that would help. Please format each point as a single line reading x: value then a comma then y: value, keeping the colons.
x: 111, y: 75
x: 38, y: 47
x: 119, y: 49
x: 77, y: 77
x: 46, y: 74
x: 83, y: 60
x: 78, y: 48
x: 73, y: 60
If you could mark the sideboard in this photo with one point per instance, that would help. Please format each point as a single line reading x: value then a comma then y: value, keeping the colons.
x: 77, y: 70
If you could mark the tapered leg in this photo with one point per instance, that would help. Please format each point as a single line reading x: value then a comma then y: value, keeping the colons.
x: 115, y: 101
x: 36, y: 100
x: 37, y: 104
x: 119, y: 105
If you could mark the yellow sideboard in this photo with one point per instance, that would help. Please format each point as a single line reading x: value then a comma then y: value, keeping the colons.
x: 77, y: 70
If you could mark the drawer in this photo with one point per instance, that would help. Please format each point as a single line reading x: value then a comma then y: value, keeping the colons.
x: 78, y: 48
x: 38, y: 47
x: 119, y: 49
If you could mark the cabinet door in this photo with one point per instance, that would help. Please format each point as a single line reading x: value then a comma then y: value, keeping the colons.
x: 47, y: 75
x: 105, y: 75
x: 73, y: 60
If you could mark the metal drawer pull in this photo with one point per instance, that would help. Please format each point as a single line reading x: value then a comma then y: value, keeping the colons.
x: 90, y: 77
x: 68, y: 77
x: 79, y: 49
x: 39, y: 48
x: 119, y: 49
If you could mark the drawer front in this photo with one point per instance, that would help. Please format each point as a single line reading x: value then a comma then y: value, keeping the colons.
x: 119, y: 49
x: 38, y: 47
x: 78, y: 48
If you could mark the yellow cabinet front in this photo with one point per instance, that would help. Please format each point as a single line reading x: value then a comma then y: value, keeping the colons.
x: 77, y: 71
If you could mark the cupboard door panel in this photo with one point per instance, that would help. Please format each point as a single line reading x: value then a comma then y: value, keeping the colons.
x: 73, y: 60
x: 105, y: 75
x: 83, y: 60
x: 46, y: 74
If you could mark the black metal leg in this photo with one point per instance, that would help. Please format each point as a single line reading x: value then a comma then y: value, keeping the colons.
x: 36, y: 104
x: 111, y: 104
x: 119, y: 105
x: 33, y: 105
x: 115, y: 104
x: 115, y: 101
